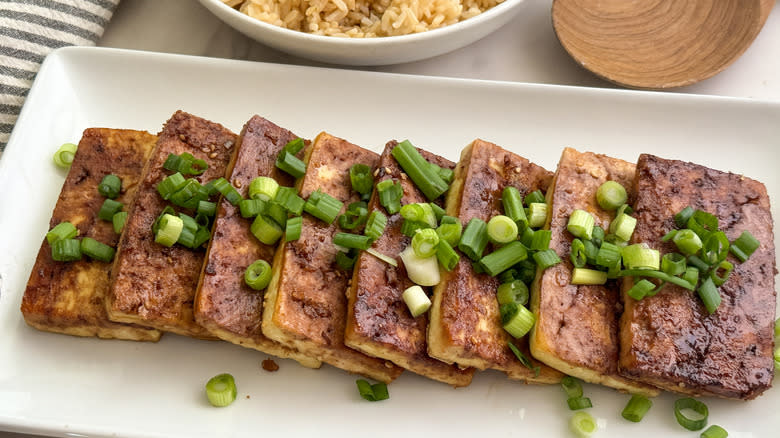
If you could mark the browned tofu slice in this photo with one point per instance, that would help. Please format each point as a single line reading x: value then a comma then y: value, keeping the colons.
x: 68, y: 297
x: 224, y: 304
x: 669, y: 340
x: 576, y: 330
x: 305, y: 304
x: 465, y: 325
x: 378, y: 322
x: 153, y: 285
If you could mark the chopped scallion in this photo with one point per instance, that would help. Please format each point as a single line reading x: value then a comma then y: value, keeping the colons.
x: 623, y: 227
x: 681, y: 218
x: 687, y: 241
x: 582, y: 424
x: 419, y: 170
x: 513, y: 292
x: 535, y: 197
x: 287, y: 198
x: 450, y: 232
x: 537, y: 214
x: 577, y: 254
x: 474, y: 239
x: 355, y: 216
x: 63, y: 230
x: 517, y: 320
x: 640, y: 256
x: 97, y: 250
x: 513, y: 204
x: 416, y: 300
x: 640, y: 289
x: 170, y: 228
x: 421, y: 270
x: 375, y: 392
x: 709, y: 295
x: 636, y: 408
x: 323, y: 206
x: 390, y: 194
x: 266, y: 230
x: 252, y: 207
x: 588, y: 276
x: 384, y: 257
x: 577, y: 403
x: 227, y: 190
x: 110, y: 186
x: 425, y: 242
x: 348, y: 240
x: 65, y: 154
x: 523, y: 358
x: 375, y: 225
x: 501, y: 229
x: 581, y: 224
x: 289, y: 163
x: 264, y: 188
x: 206, y: 208
x: 446, y: 255
x: 258, y: 274
x: 293, y: 229
x: 572, y: 387
x: 673, y: 263
x: 685, y: 419
x: 745, y: 245
x: 611, y: 195
x: 109, y: 209
x: 503, y: 258
x: 608, y: 256
x: 546, y: 258
x: 118, y: 221
x: 66, y: 250
x: 221, y: 390
x: 170, y: 185
x: 419, y: 212
x: 361, y: 178
x: 714, y: 431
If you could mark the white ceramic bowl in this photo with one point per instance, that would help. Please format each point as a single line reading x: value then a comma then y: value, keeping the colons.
x: 368, y: 51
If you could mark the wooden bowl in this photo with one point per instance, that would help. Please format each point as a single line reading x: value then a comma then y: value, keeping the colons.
x: 657, y: 44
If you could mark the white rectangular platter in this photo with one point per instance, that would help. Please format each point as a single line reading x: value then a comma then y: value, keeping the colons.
x: 67, y: 386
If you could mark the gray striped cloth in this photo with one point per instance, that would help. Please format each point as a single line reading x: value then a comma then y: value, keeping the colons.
x: 29, y: 30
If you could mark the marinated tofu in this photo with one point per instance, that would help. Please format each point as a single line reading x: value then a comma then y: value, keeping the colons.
x: 379, y: 322
x: 465, y: 324
x: 224, y: 304
x: 576, y: 330
x: 153, y: 285
x: 68, y: 297
x: 305, y: 305
x: 669, y: 340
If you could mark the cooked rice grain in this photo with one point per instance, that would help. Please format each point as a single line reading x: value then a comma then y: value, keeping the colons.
x: 364, y: 18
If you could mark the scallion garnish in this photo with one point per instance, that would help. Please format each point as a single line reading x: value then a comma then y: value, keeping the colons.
x: 118, y: 221
x: 419, y: 212
x: 636, y: 408
x: 517, y: 320
x: 537, y: 214
x: 523, y: 358
x: 720, y: 274
x: 170, y: 185
x: 503, y: 258
x: 227, y: 190
x: 375, y: 392
x: 474, y: 239
x: 355, y: 216
x: 582, y: 424
x: 258, y: 274
x: 421, y: 270
x: 608, y: 256
x: 294, y: 146
x: 346, y: 261
x: 744, y: 246
x: 323, y: 206
x: 715, y: 248
x: 419, y: 170
x: 450, y: 232
x: 687, y: 241
x: 250, y: 208
x: 287, y: 198
x: 513, y: 204
x: 623, y: 227
x: 375, y: 225
x: 438, y: 212
x: 540, y: 240
x: 714, y: 431
x: 293, y: 228
x: 384, y: 257
x: 65, y: 154
x: 588, y: 276
x: 513, y: 292
x: 681, y: 218
x: 446, y: 255
x: 96, y: 250
x: 501, y: 229
x: 416, y: 300
x: 185, y: 163
x: 348, y: 240
x: 221, y: 390
x: 577, y: 403
x: 640, y: 256
x: 169, y: 229
x: 703, y: 223
x: 581, y: 224
x: 657, y: 274
x: 63, y: 230
x: 109, y: 209
x: 571, y: 386
x: 277, y: 213
x: 685, y: 419
x: 425, y: 242
x: 390, y: 194
x: 535, y: 197
x: 640, y: 289
x: 361, y: 179
x: 546, y: 258
x: 611, y: 195
x: 263, y: 187
x: 290, y: 164
x: 577, y: 254
x: 110, y: 186
x: 673, y: 263
x: 709, y: 295
x: 188, y: 195
x: 66, y: 250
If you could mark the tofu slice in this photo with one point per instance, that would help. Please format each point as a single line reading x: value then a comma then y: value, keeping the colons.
x: 378, y: 321
x: 224, y: 304
x: 68, y: 297
x: 152, y: 285
x: 465, y: 325
x: 305, y: 305
x: 576, y: 330
x: 669, y: 340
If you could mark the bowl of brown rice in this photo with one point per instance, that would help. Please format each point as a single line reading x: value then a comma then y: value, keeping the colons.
x: 365, y: 32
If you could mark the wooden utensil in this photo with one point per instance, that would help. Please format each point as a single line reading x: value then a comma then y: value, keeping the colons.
x: 657, y: 44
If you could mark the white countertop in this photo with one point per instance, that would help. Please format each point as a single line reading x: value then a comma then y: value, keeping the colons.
x: 525, y: 50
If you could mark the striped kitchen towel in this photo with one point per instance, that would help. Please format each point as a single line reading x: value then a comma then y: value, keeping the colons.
x: 29, y: 30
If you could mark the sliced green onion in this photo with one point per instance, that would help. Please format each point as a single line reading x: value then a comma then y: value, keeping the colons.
x: 577, y: 403
x: 188, y: 222
x: 526, y: 271
x: 517, y: 320
x: 541, y: 240
x: 640, y: 256
x: 185, y: 164
x: 523, y: 359
x: 202, y: 236
x: 571, y: 386
x: 170, y: 228
x: 323, y: 206
x: 698, y: 263
x: 527, y: 235
x: 446, y: 255
x: 65, y: 154
x: 588, y: 276
x: 537, y: 214
x: 691, y: 422
x: 221, y: 390
x: 419, y: 170
x: 474, y: 239
x: 437, y: 211
x: 416, y: 300
x: 252, y: 207
x: 591, y: 252
x: 673, y: 263
x: 721, y: 273
x: 294, y: 146
x: 446, y: 174
x: 421, y: 270
x: 63, y: 230
x: 375, y: 392
x: 346, y: 261
x: 709, y: 295
x: 611, y: 195
x: 513, y: 292
x: 625, y: 208
x: 109, y: 209
x: 409, y: 228
x: 449, y: 220
x: 266, y: 230
x: 623, y: 227
x: 361, y: 178
x: 118, y: 221
x: 669, y: 236
x: 425, y: 242
x: 501, y: 229
x: 355, y: 216
x: 581, y: 224
x: 503, y: 258
x: 703, y: 223
x: 170, y: 185
x: 375, y: 225
x: 207, y: 208
x: 681, y: 218
x: 608, y: 256
x: 582, y: 424
x: 289, y: 163
x: 577, y: 254
x: 546, y: 258
x: 691, y: 275
x: 348, y: 240
x: 227, y: 190
x: 636, y: 408
x: 714, y: 431
x: 97, y: 250
x: 535, y: 197
x: 277, y: 213
x: 598, y: 236
x: 384, y: 257
x: 110, y: 186
x: 420, y: 212
x: 66, y: 250
x: 715, y: 248
x: 188, y: 195
x: 687, y: 241
x: 513, y: 204
x: 777, y: 328
x: 390, y: 194
x: 745, y: 245
x: 264, y: 188
x: 258, y: 274
x: 640, y: 289
x: 293, y: 228
x: 450, y: 232
x: 288, y: 198
x: 657, y: 274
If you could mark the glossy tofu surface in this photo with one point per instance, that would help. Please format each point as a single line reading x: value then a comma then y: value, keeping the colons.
x: 669, y: 340
x: 153, y: 285
x: 576, y: 328
x: 306, y: 304
x: 465, y: 326
x: 379, y: 322
x: 224, y: 304
x: 68, y: 297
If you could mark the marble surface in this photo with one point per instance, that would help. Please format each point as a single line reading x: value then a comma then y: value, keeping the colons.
x: 525, y: 50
